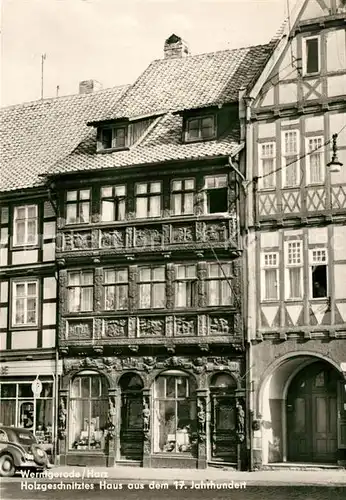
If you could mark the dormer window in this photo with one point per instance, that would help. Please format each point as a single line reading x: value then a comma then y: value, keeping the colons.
x: 200, y: 128
x: 112, y: 138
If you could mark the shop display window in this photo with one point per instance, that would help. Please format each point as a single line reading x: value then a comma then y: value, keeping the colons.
x: 175, y: 429
x: 88, y: 412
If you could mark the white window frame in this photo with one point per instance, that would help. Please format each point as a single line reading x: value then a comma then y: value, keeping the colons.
x: 305, y: 54
x: 118, y: 201
x: 289, y: 266
x: 190, y: 282
x: 287, y: 159
x: 269, y: 266
x: 262, y: 157
x: 320, y: 151
x: 26, y: 283
x: 26, y: 219
x: 148, y: 195
x: 80, y: 287
x: 183, y: 191
x: 79, y: 202
x: 315, y: 262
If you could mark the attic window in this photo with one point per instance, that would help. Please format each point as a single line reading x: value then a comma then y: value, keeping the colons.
x: 312, y: 55
x: 200, y: 128
x: 112, y: 138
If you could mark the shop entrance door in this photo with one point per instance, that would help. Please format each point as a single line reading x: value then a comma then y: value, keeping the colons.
x: 312, y: 415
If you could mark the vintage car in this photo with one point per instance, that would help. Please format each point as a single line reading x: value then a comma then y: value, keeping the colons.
x: 19, y: 450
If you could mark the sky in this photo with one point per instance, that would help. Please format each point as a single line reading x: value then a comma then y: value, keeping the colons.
x: 113, y: 41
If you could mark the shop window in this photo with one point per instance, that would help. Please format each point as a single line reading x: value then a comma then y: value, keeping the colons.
x: 185, y: 285
x: 78, y: 206
x: 219, y: 291
x: 175, y: 425
x: 88, y: 412
x: 25, y: 225
x: 148, y: 199
x: 318, y: 271
x: 152, y: 287
x: 183, y: 196
x: 80, y: 291
x: 216, y: 194
x: 113, y: 200
x: 19, y: 408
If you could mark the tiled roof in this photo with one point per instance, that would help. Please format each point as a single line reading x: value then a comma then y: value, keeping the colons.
x: 191, y: 82
x: 37, y: 134
x: 162, y: 143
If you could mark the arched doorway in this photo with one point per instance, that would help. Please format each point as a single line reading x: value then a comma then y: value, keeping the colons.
x: 312, y: 414
x: 223, y: 418
x: 131, y: 420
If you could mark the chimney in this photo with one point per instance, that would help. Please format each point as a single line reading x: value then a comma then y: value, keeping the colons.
x: 175, y: 47
x: 89, y: 86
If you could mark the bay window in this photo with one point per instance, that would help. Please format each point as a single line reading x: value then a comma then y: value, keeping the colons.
x: 113, y: 203
x: 148, y: 199
x: 218, y: 285
x: 185, y: 285
x: 80, y: 291
x: 25, y: 225
x: 152, y: 287
x: 116, y: 289
x: 78, y: 206
x: 175, y: 420
x: 25, y: 303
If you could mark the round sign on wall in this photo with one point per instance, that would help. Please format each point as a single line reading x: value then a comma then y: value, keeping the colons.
x: 36, y: 387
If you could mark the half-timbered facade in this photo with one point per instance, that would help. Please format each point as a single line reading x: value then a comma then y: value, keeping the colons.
x: 33, y: 136
x: 150, y: 270
x: 296, y: 195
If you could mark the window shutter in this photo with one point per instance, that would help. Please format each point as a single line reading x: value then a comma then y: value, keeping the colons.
x: 342, y: 414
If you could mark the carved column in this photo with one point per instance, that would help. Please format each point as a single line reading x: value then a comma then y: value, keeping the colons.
x: 202, y: 428
x: 170, y: 277
x: 201, y: 288
x: 63, y: 303
x: 62, y: 426
x: 133, y: 289
x: 240, y: 429
x: 112, y: 434
x: 98, y: 281
x: 147, y: 426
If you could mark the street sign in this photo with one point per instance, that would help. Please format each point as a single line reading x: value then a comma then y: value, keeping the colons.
x: 36, y: 387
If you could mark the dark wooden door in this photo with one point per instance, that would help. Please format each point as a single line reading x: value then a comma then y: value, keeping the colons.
x: 131, y: 429
x: 312, y: 415
x: 223, y: 428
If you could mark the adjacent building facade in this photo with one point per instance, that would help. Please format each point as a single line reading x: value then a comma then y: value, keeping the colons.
x: 296, y: 245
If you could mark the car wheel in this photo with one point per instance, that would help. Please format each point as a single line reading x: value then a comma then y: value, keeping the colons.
x: 7, y: 468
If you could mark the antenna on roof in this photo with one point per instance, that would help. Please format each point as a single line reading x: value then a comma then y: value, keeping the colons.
x: 43, y: 58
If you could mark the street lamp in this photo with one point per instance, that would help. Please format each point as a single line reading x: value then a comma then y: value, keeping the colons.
x: 334, y: 165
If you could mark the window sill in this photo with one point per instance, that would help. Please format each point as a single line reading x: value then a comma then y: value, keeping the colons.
x: 25, y: 327
x: 32, y: 246
x: 112, y: 150
x: 194, y: 141
x: 319, y: 299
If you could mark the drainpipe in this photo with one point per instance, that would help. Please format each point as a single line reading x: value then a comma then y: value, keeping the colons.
x: 56, y: 405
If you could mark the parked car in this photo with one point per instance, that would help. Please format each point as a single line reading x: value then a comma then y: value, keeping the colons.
x: 20, y: 450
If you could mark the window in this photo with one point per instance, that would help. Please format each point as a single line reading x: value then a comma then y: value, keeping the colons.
x: 113, y: 203
x: 116, y: 289
x: 294, y: 270
x: 185, y: 286
x: 290, y: 159
x: 312, y: 56
x: 152, y: 287
x: 80, y: 291
x: 314, y: 160
x: 199, y: 129
x: 78, y: 206
x: 148, y: 199
x: 88, y: 412
x: 175, y: 419
x: 270, y: 267
x: 318, y: 272
x: 114, y: 138
x: 25, y: 225
x: 216, y: 194
x: 25, y: 303
x: 183, y: 196
x: 267, y: 165
x: 219, y: 291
